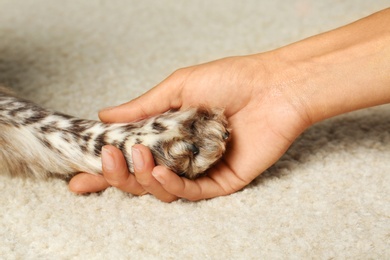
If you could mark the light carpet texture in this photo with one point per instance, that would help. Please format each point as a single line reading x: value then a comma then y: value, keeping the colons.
x: 327, y: 198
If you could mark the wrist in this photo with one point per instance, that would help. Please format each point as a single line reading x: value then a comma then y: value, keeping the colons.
x: 339, y: 71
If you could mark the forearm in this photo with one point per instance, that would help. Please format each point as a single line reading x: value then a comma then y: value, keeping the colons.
x: 342, y: 70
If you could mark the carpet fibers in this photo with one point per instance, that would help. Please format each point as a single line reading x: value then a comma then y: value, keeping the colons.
x: 328, y: 197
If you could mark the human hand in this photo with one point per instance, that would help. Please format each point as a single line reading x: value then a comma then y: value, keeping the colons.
x: 269, y: 99
x: 262, y: 114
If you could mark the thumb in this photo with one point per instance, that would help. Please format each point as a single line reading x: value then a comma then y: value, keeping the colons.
x: 156, y: 101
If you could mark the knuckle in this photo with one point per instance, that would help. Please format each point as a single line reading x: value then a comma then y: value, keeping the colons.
x: 144, y: 182
x: 114, y: 182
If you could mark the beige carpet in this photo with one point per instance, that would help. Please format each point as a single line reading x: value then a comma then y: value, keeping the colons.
x: 328, y: 197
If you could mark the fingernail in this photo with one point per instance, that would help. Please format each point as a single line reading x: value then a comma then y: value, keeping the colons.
x: 158, y: 177
x: 108, y: 160
x: 138, y: 160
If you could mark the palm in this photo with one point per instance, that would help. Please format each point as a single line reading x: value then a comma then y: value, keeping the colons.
x: 263, y: 126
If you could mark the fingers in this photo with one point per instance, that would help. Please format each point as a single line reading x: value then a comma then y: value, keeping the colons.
x: 143, y: 167
x: 193, y: 190
x: 116, y: 173
x: 159, y: 99
x: 159, y: 181
x: 86, y: 183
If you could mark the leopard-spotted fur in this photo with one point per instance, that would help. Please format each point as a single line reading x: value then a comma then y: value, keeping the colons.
x: 39, y: 142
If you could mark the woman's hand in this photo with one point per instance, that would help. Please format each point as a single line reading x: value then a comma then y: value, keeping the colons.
x: 269, y: 99
x: 264, y: 120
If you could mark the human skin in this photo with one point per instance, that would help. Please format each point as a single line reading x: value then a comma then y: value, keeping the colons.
x: 269, y: 99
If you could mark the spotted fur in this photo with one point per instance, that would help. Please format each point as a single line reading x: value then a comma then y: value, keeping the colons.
x: 38, y: 142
